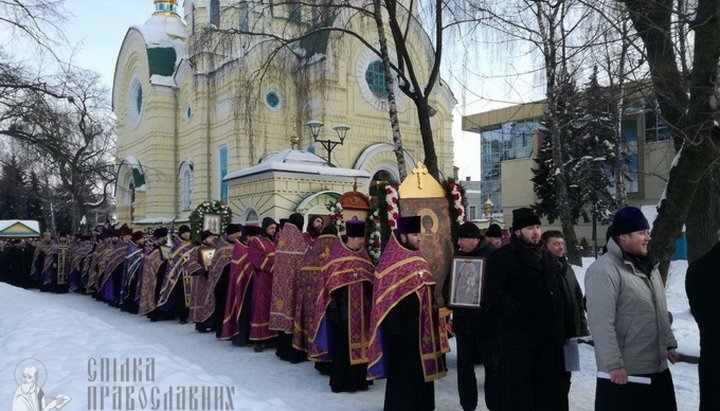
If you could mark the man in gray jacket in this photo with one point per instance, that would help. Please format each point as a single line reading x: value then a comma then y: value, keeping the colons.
x: 628, y: 319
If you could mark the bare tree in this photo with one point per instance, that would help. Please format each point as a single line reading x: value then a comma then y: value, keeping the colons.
x: 685, y: 88
x: 397, y: 24
x: 74, y: 137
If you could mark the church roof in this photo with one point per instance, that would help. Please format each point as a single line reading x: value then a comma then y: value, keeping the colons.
x: 296, y: 161
x: 19, y: 228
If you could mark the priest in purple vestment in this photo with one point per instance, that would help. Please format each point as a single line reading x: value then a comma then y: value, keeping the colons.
x: 342, y: 318
x: 262, y: 257
x: 404, y: 332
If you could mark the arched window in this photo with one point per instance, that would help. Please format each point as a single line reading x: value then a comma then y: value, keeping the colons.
x: 215, y: 13
x: 186, y: 182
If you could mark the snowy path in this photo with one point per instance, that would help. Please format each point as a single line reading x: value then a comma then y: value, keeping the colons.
x: 65, y: 331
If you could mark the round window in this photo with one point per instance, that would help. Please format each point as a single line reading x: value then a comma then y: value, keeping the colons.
x: 273, y: 99
x: 375, y: 79
x: 135, y: 102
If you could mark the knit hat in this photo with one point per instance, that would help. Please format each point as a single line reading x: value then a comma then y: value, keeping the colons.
x: 628, y: 220
x: 355, y: 228
x: 183, y: 229
x: 468, y: 230
x: 409, y: 225
x: 524, y: 217
x: 493, y: 231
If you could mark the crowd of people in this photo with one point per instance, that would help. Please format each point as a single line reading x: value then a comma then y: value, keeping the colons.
x: 311, y: 294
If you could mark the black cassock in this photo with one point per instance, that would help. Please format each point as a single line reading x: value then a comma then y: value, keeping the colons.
x: 406, y: 389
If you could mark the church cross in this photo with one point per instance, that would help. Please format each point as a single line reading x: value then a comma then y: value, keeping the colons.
x: 419, y: 171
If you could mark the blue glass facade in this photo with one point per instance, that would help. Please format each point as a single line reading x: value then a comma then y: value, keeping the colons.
x: 508, y: 141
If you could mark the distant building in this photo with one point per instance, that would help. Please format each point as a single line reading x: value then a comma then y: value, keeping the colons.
x: 510, y: 140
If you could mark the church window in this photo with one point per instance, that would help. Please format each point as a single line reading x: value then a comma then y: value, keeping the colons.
x: 187, y: 114
x: 135, y: 101
x: 273, y: 100
x: 244, y: 16
x: 138, y: 99
x: 375, y: 78
x: 215, y: 13
x: 186, y: 181
x: 294, y: 12
x: 222, y: 171
x: 192, y: 19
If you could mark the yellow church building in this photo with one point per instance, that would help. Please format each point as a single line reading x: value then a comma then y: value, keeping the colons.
x: 205, y: 112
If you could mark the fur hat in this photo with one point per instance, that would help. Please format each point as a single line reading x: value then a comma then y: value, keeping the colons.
x: 524, y: 217
x: 628, y: 220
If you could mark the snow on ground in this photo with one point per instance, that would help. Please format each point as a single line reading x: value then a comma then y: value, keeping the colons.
x: 70, y: 334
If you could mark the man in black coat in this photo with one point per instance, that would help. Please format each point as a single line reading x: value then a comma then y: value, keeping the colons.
x: 525, y: 292
x: 702, y: 284
x: 475, y: 329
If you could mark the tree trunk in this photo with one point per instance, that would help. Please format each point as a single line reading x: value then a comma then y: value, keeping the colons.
x: 431, y: 162
x: 389, y: 84
x: 704, y: 217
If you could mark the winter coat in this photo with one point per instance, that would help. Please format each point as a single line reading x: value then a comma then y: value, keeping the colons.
x: 627, y: 315
x: 702, y: 284
x: 476, y: 321
x: 525, y: 292
x: 574, y: 296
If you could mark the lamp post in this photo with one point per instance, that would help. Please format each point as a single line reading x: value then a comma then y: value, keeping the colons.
x: 340, y: 129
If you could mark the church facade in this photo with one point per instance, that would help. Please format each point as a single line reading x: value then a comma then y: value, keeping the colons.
x: 199, y: 99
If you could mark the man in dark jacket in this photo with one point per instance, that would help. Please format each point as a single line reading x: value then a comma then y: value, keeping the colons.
x: 575, y: 309
x: 702, y: 284
x: 524, y: 289
x: 475, y: 329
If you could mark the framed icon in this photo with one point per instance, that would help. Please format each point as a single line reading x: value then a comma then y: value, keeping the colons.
x: 466, y: 282
x: 207, y: 257
x: 211, y: 222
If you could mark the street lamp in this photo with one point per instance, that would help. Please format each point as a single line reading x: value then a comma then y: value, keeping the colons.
x: 340, y: 129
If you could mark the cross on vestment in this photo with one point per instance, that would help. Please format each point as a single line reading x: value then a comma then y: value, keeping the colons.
x: 419, y: 171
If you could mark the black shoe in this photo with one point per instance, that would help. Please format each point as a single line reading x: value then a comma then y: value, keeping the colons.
x: 259, y: 346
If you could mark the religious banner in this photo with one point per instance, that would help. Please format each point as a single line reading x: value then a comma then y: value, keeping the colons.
x: 422, y: 195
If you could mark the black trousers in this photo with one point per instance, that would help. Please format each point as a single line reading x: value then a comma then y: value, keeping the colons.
x: 532, y: 379
x: 471, y: 349
x: 709, y: 369
x: 658, y: 396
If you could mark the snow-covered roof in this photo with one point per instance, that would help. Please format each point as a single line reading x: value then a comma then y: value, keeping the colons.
x: 296, y: 161
x: 162, y: 33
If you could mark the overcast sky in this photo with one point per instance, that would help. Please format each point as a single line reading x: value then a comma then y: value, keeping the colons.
x: 98, y: 29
